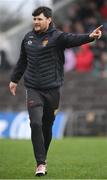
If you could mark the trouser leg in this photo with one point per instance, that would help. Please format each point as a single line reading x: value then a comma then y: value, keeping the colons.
x: 37, y: 134
x: 35, y: 109
x: 51, y: 104
x: 48, y: 119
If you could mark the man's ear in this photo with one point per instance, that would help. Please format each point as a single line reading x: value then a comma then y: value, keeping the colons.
x: 50, y: 20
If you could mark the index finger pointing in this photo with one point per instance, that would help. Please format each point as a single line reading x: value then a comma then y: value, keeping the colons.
x: 99, y: 27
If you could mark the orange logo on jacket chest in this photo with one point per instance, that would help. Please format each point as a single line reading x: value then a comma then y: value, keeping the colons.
x: 45, y: 42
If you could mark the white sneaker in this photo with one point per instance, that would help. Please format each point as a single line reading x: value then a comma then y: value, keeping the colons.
x: 40, y: 170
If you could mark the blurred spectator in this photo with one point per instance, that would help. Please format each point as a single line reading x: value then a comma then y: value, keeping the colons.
x: 72, y: 11
x: 98, y: 47
x: 84, y: 59
x: 103, y: 10
x: 70, y: 60
x: 78, y: 27
x: 67, y: 26
x: 100, y: 65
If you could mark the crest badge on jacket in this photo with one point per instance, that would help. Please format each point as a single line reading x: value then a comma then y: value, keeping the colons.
x: 29, y: 42
x: 45, y: 42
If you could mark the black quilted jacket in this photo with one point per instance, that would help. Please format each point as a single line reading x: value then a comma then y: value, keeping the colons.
x: 42, y: 57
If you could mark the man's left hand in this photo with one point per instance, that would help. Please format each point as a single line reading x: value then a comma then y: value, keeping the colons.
x: 97, y: 33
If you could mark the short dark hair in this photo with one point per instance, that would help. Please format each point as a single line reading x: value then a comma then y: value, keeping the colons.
x: 45, y: 10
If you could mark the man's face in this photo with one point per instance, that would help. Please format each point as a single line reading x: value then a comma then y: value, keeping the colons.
x: 41, y: 23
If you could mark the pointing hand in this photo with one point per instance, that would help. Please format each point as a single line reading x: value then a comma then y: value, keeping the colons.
x: 97, y: 33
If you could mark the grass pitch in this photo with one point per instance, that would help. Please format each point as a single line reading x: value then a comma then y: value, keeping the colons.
x: 69, y: 158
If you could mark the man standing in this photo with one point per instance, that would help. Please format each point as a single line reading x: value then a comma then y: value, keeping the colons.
x: 42, y: 63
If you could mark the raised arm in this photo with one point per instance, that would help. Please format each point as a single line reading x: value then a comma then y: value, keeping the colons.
x: 68, y: 40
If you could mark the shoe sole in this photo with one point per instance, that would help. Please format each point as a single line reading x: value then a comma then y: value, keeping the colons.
x: 39, y: 174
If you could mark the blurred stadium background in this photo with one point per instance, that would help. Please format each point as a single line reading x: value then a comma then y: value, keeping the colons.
x: 83, y: 105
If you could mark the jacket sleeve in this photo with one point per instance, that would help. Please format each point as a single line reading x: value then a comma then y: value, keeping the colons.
x: 68, y: 40
x: 20, y: 66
